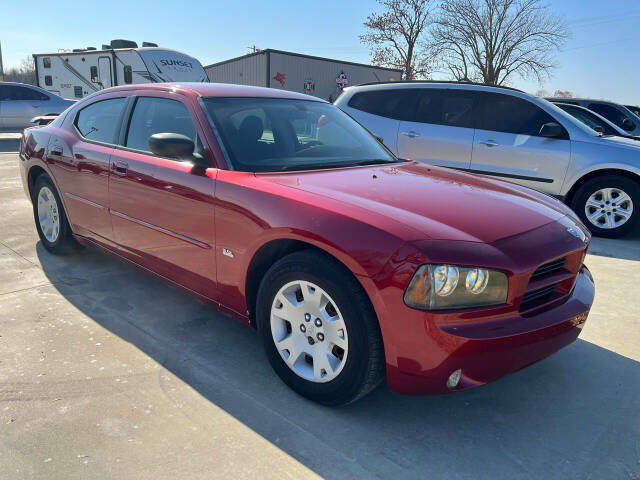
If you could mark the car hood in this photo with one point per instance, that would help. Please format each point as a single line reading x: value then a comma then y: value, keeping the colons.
x: 439, y: 203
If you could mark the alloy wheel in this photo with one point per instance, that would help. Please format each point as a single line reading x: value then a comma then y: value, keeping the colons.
x: 309, y: 331
x: 609, y: 208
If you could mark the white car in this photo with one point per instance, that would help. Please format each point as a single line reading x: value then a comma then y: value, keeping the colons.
x: 508, y: 134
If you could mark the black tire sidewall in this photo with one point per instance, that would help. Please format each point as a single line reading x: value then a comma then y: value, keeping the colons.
x: 629, y: 186
x: 63, y: 242
x: 356, y: 316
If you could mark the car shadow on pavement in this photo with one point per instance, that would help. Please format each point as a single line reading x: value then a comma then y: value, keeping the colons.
x: 570, y: 416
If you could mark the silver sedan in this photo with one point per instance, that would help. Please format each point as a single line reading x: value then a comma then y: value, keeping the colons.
x: 19, y: 103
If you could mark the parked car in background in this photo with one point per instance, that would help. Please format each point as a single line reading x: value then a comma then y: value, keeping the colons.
x: 634, y: 109
x: 19, y: 103
x: 594, y: 121
x: 284, y: 212
x: 617, y: 114
x: 508, y: 134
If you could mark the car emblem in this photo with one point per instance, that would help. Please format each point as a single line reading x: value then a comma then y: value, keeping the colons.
x: 576, y: 233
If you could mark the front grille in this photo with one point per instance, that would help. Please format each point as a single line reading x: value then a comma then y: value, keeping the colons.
x: 536, y: 297
x: 548, y: 268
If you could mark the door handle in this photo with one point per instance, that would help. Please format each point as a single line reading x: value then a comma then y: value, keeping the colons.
x: 489, y: 143
x: 120, y: 167
x: 35, y: 106
x: 411, y: 134
x: 56, y: 151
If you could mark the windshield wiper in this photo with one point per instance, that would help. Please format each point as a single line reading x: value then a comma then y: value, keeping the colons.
x: 375, y: 161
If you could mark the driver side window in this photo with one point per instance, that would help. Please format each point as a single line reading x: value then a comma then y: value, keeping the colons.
x: 153, y: 115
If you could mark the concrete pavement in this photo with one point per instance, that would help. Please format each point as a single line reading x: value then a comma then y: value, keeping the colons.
x: 108, y: 373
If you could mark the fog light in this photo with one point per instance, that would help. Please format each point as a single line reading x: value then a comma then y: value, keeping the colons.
x: 454, y: 379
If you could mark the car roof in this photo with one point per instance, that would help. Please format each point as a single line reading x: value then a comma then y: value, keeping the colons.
x: 402, y: 83
x: 219, y: 90
x: 569, y: 100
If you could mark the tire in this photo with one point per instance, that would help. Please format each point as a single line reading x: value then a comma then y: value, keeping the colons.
x: 50, y: 218
x: 607, y: 220
x: 351, y: 372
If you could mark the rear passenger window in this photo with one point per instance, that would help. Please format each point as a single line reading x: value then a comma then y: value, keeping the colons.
x: 398, y: 104
x: 509, y: 114
x: 99, y: 121
x: 158, y: 115
x: 446, y: 107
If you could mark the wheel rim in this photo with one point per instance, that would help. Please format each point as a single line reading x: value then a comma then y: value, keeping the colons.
x: 48, y: 215
x: 609, y: 208
x: 309, y: 331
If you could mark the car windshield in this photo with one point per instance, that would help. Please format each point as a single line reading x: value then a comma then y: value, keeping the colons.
x: 277, y: 134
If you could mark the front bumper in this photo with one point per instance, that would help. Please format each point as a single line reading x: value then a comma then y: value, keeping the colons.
x: 423, y: 348
x: 483, y: 360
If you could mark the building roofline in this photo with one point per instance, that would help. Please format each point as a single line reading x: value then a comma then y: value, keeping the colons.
x: 303, y: 55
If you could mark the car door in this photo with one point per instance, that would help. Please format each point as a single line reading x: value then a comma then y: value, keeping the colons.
x: 507, y: 143
x: 79, y: 157
x: 441, y: 132
x: 20, y: 104
x: 163, y: 209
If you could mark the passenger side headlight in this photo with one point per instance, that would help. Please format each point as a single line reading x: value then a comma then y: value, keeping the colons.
x: 438, y: 287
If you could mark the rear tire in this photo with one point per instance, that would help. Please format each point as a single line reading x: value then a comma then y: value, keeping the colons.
x: 345, y: 360
x: 608, y: 205
x: 51, y: 220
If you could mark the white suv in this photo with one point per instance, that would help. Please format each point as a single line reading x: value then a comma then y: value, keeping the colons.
x: 509, y: 134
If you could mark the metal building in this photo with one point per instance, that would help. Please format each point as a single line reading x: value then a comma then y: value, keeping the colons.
x: 322, y: 77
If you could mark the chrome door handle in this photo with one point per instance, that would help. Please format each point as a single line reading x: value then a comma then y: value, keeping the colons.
x: 35, y: 106
x: 489, y: 143
x: 120, y: 167
x: 411, y: 134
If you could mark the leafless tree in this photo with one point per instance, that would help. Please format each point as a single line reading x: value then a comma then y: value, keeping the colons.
x: 491, y: 40
x: 25, y: 73
x: 397, y: 36
x: 563, y: 94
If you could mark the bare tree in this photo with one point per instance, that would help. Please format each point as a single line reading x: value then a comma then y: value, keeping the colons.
x: 563, y: 94
x: 397, y: 36
x: 491, y: 40
x: 25, y: 73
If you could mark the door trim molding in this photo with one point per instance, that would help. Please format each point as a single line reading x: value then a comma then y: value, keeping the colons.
x: 171, y: 233
x: 84, y: 200
x: 506, y: 175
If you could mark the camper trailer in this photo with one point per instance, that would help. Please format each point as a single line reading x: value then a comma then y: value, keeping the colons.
x: 74, y: 74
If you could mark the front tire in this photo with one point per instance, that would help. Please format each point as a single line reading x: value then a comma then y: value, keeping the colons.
x: 319, y: 330
x: 51, y: 220
x: 608, y: 205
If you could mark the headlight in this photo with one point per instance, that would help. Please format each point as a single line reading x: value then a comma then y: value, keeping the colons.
x: 436, y: 287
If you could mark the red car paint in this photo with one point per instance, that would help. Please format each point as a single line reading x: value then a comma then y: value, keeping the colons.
x: 382, y: 222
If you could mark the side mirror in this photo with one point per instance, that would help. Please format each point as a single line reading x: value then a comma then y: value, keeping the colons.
x: 551, y: 130
x: 599, y: 129
x: 172, y: 145
x: 627, y: 124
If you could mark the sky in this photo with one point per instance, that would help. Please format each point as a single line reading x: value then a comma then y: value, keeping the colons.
x: 600, y: 60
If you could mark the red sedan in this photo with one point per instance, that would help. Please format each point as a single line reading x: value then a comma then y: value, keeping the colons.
x: 282, y: 211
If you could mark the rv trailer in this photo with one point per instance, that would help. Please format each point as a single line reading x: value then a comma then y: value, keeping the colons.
x: 74, y: 74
